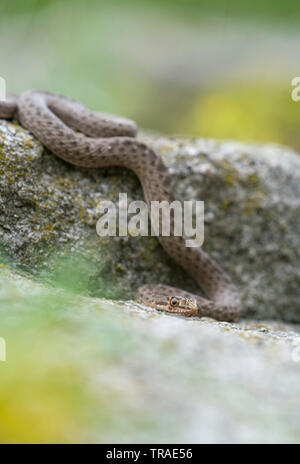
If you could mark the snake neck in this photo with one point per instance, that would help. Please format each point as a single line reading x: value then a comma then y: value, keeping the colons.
x: 213, y: 280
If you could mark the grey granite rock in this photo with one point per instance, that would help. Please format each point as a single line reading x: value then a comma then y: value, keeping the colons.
x: 48, y: 213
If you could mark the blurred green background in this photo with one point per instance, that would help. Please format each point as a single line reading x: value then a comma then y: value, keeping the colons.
x: 198, y: 67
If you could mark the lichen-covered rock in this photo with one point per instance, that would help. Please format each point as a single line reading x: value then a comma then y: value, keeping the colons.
x: 48, y: 209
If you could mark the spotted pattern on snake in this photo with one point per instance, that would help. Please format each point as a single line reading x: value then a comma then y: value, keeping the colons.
x: 90, y: 139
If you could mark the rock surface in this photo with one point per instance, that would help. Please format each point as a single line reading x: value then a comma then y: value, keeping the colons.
x: 143, y: 376
x: 48, y: 213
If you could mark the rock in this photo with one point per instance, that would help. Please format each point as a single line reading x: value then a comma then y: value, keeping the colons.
x: 48, y: 213
x: 175, y: 380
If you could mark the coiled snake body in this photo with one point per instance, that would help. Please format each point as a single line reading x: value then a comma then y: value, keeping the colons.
x: 105, y: 140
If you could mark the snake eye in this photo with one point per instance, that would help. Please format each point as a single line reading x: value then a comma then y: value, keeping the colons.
x: 174, y: 302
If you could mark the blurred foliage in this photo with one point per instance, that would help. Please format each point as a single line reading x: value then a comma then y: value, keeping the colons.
x: 246, y: 111
x: 95, y: 54
x: 266, y: 10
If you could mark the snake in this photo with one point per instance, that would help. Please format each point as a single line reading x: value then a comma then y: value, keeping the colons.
x: 91, y: 139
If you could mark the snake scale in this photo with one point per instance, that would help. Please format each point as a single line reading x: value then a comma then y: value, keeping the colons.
x: 90, y: 139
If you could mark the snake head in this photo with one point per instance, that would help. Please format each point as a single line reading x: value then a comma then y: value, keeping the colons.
x: 177, y: 305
